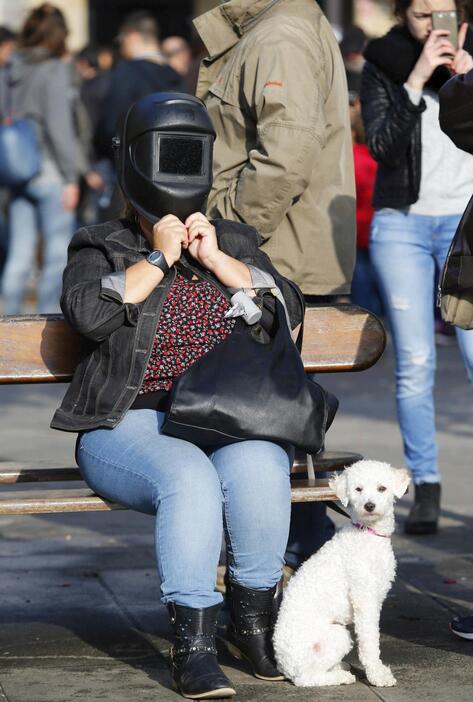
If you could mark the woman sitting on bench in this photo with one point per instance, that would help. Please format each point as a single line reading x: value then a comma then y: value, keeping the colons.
x: 146, y: 294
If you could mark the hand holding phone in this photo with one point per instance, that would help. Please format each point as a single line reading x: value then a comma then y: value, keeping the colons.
x: 437, y: 51
x: 448, y: 21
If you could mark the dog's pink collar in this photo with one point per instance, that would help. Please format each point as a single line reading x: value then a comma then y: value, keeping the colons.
x: 369, y: 529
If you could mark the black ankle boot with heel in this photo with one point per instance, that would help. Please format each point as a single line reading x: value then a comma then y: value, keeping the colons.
x: 194, y: 667
x: 250, y: 631
x: 424, y: 515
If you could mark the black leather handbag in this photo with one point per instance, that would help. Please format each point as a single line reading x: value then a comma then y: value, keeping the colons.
x: 245, y: 389
x: 455, y: 296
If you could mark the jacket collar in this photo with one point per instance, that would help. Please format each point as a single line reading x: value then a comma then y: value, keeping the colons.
x: 130, y: 236
x: 222, y: 27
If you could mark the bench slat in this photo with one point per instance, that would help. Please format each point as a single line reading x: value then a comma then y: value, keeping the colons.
x: 311, y: 491
x: 37, y: 349
x: 54, y: 501
x: 13, y: 473
x: 16, y: 473
x: 44, y: 349
x: 341, y: 338
x: 326, y: 461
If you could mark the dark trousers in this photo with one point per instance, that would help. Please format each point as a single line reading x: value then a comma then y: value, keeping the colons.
x: 310, y: 525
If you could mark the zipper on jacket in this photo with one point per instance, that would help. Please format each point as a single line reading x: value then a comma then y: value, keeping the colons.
x: 439, y: 295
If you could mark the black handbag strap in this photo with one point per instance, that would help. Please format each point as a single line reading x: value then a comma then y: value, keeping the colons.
x: 300, y: 335
x: 336, y: 508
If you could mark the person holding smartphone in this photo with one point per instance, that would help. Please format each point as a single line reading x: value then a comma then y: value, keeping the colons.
x: 422, y: 187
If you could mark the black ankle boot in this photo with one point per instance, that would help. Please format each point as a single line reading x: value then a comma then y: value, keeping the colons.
x: 249, y: 634
x: 195, y: 671
x: 424, y: 515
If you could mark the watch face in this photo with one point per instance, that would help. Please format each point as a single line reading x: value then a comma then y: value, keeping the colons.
x: 155, y: 257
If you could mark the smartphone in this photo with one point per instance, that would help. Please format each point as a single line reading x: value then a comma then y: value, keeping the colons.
x: 448, y: 19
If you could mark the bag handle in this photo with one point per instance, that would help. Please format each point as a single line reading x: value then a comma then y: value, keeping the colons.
x: 262, y: 279
x: 300, y: 335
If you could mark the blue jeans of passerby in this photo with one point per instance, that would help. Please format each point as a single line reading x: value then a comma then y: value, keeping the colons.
x: 364, y: 285
x: 36, y: 206
x: 242, y: 488
x: 405, y: 250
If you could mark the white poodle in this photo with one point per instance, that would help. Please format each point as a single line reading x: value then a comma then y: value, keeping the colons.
x: 345, y: 583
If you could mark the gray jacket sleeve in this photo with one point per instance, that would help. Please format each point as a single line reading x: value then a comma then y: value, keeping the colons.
x: 58, y: 124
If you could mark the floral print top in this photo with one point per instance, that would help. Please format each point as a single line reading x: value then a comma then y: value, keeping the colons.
x: 191, y: 323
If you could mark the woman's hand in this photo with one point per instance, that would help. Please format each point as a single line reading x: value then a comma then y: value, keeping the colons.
x: 70, y: 196
x: 437, y: 51
x: 202, y: 240
x: 463, y: 61
x: 170, y: 237
x: 95, y: 181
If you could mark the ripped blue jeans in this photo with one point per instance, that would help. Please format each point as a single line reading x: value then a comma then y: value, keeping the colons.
x: 405, y: 250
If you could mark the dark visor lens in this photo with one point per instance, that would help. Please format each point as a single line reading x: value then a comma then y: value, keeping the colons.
x: 180, y: 156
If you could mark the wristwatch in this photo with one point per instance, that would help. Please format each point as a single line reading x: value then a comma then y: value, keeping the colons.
x: 157, y: 258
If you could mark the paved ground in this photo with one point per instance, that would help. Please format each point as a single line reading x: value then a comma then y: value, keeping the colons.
x: 79, y: 612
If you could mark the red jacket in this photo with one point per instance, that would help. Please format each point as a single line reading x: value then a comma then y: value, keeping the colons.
x: 365, y: 174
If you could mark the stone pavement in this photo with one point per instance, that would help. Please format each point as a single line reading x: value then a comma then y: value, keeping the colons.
x: 79, y: 613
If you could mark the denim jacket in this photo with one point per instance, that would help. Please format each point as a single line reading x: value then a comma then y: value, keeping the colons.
x: 118, y: 337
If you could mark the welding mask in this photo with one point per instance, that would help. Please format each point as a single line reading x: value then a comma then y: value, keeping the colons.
x: 164, y: 155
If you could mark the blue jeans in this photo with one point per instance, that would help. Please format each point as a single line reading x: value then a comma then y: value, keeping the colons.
x: 364, y: 286
x: 242, y: 488
x: 37, y: 205
x: 405, y: 250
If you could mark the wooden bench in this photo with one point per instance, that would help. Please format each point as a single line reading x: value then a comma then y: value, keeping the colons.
x: 44, y: 349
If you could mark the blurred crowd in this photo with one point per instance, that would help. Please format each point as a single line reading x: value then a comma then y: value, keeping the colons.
x: 79, y: 99
x: 75, y: 100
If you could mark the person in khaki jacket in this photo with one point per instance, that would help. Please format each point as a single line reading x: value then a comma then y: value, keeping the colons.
x: 275, y: 87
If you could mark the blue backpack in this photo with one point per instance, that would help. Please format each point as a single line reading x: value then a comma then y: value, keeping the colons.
x: 20, y: 157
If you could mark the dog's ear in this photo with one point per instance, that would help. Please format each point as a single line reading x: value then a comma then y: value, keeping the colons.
x: 338, y: 483
x: 401, y: 481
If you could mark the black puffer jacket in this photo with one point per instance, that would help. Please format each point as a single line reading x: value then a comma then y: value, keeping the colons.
x: 393, y: 133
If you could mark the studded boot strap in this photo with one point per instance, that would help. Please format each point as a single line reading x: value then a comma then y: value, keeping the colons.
x: 194, y: 629
x: 251, y: 611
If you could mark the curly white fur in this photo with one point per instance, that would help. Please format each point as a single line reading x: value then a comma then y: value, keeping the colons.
x: 345, y: 583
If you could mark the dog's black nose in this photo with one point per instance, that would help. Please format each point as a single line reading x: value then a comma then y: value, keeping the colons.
x: 370, y: 506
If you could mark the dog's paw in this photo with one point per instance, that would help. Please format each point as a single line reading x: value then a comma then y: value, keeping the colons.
x: 325, y: 679
x: 381, y: 676
x: 346, y: 678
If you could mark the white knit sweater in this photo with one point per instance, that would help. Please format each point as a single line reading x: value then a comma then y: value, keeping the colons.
x: 447, y: 172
